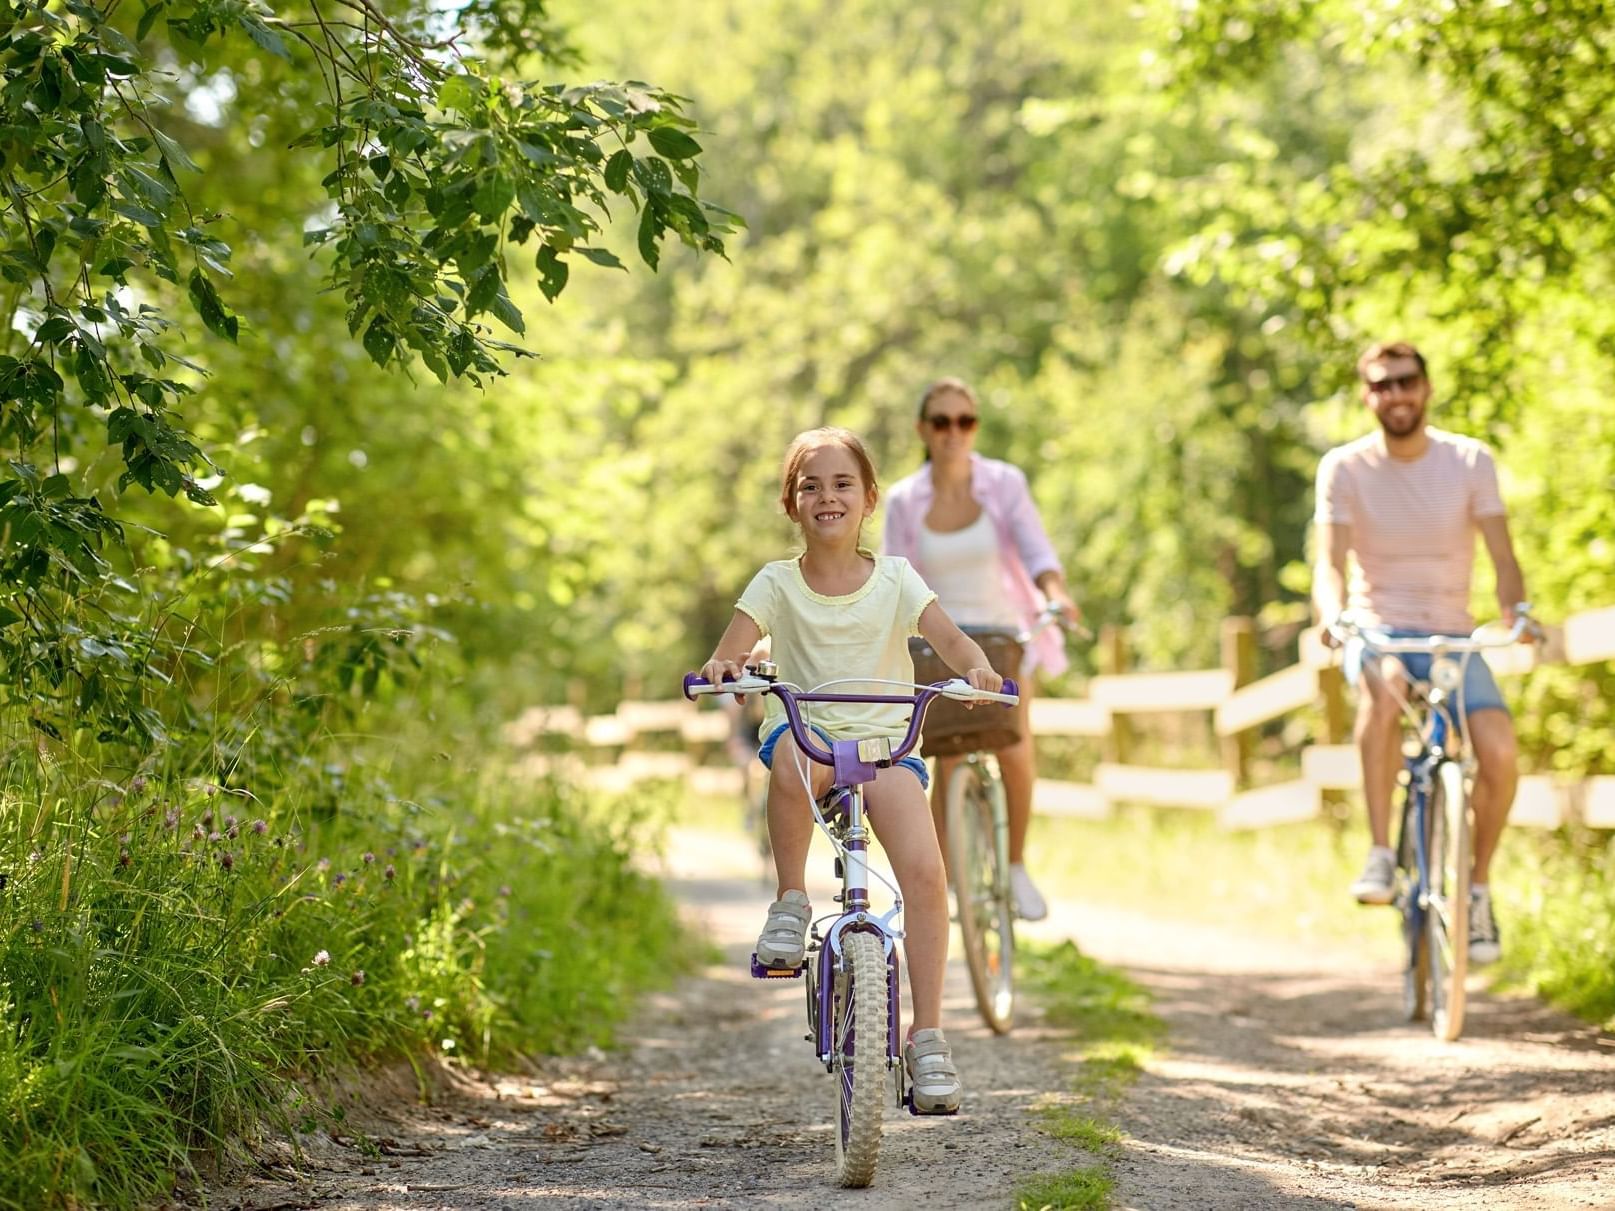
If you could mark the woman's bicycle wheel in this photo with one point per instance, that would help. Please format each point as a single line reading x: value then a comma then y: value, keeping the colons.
x: 859, y: 1027
x: 978, y: 864
x: 1446, y: 915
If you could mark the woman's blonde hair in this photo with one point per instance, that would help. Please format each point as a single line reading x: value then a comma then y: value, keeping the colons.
x: 806, y: 443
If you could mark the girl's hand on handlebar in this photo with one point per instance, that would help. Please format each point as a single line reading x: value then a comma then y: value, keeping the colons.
x: 984, y: 679
x: 718, y: 671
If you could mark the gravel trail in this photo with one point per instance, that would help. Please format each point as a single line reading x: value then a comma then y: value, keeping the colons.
x: 1287, y: 1080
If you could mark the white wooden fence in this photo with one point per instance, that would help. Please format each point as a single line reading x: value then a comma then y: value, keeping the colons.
x: 586, y: 744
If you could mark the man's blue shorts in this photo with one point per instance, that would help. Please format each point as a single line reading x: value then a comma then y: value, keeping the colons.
x: 1480, y: 692
x: 766, y: 753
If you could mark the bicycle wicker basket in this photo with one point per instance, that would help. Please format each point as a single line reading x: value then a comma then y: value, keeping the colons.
x: 951, y: 728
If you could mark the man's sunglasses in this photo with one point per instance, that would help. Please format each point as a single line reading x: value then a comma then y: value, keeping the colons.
x: 941, y: 424
x: 1401, y: 382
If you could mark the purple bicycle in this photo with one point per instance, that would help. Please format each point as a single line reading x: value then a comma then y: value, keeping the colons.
x: 853, y: 1004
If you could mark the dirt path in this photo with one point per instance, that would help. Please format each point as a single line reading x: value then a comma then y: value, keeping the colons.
x: 1288, y: 1081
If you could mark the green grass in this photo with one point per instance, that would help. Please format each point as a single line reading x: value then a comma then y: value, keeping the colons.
x: 1556, y: 901
x: 1555, y: 892
x: 173, y: 954
x: 1110, y: 1023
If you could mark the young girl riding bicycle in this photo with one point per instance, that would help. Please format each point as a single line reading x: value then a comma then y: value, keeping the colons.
x: 838, y: 612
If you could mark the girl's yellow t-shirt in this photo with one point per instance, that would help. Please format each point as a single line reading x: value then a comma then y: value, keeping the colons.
x: 862, y: 634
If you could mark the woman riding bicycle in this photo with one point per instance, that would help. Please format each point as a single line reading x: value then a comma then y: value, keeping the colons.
x: 969, y: 527
x: 834, y: 613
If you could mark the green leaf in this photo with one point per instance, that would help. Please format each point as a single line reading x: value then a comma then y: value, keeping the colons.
x: 265, y: 37
x: 495, y: 193
x: 211, y: 309
x: 673, y: 144
x: 174, y: 153
x: 650, y: 230
x: 601, y: 257
x: 508, y: 313
x: 616, y: 174
x: 379, y: 341
x: 149, y: 18
x: 552, y: 273
x: 463, y: 93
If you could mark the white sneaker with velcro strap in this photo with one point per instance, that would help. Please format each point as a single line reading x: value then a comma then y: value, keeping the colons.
x: 933, y: 1080
x: 783, y: 942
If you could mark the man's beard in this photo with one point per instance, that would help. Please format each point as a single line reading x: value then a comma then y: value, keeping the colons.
x: 1411, y: 426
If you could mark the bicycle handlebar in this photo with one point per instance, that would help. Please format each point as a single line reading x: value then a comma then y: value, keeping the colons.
x: 957, y: 689
x: 1345, y: 628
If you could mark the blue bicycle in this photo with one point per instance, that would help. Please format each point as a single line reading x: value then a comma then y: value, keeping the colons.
x: 1435, y: 840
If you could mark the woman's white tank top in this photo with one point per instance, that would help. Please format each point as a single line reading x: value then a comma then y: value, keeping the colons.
x: 962, y: 567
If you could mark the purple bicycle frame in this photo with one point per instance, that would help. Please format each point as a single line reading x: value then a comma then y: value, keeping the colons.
x: 854, y: 764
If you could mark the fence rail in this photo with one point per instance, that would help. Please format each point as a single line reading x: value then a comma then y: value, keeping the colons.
x: 600, y: 749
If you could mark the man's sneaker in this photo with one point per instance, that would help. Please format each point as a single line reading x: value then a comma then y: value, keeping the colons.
x: 1029, y: 905
x: 1485, y: 942
x: 783, y: 942
x: 1377, y: 883
x: 932, y: 1078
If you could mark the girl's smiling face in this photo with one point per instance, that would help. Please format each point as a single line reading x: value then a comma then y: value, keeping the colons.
x: 831, y: 500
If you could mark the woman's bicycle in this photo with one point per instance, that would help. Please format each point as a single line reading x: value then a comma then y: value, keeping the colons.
x: 977, y: 818
x: 853, y: 1002
x: 1434, y: 845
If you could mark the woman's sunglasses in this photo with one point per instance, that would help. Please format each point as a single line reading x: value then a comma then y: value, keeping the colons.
x: 941, y: 424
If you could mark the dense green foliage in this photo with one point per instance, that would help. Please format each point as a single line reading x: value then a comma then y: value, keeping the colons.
x: 171, y: 950
x: 241, y: 838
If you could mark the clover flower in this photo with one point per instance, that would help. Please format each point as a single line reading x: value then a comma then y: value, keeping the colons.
x: 260, y: 827
x: 368, y: 857
x: 322, y: 958
x: 357, y: 979
x: 389, y: 873
x: 227, y: 860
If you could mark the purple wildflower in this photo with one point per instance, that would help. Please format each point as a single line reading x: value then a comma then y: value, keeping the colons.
x: 389, y: 874
x: 227, y: 860
x: 260, y: 827
x: 137, y: 784
x: 368, y: 857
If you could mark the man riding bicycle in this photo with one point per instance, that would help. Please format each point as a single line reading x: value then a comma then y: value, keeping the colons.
x: 1406, y: 502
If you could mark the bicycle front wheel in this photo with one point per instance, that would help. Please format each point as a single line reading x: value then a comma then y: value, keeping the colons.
x: 1447, y: 913
x: 978, y: 865
x: 859, y: 1030
x: 1416, y: 972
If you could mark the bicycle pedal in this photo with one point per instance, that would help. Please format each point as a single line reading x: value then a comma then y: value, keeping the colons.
x: 918, y: 1113
x: 759, y: 972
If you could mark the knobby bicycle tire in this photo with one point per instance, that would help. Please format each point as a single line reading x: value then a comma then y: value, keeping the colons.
x: 978, y: 869
x: 1447, y: 913
x: 859, y: 1027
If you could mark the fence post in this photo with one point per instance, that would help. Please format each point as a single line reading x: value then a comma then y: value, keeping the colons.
x: 1239, y: 658
x: 1113, y: 659
x: 1336, y: 730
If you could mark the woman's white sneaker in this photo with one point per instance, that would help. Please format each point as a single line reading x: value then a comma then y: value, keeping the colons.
x: 1029, y: 905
